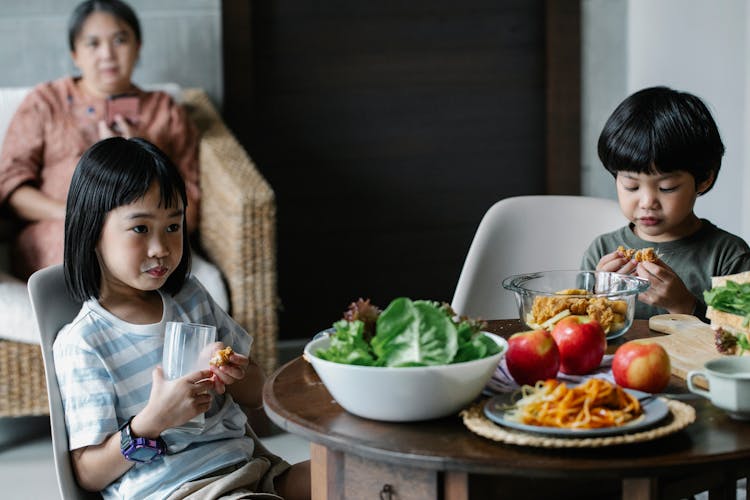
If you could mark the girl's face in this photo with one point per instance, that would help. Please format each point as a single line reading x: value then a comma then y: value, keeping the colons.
x: 140, y: 245
x: 660, y: 205
x: 105, y: 52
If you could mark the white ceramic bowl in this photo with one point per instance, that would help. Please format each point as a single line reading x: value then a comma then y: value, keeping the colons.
x: 404, y: 394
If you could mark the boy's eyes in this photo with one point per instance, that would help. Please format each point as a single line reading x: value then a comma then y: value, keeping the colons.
x: 173, y: 228
x: 632, y: 188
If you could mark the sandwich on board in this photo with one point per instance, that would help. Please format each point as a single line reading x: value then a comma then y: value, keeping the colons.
x: 728, y: 304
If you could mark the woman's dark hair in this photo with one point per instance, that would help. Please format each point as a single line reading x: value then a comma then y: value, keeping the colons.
x: 116, y: 8
x: 112, y: 173
x: 660, y: 130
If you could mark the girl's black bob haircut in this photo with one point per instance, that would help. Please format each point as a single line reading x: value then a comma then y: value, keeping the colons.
x: 112, y: 173
x: 660, y: 130
x: 116, y: 8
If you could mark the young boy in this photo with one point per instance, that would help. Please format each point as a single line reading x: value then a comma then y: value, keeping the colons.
x: 664, y: 150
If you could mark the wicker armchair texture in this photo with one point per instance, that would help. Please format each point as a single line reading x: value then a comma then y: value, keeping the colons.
x: 237, y: 233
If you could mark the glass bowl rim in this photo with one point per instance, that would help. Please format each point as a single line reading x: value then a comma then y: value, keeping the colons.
x: 511, y: 283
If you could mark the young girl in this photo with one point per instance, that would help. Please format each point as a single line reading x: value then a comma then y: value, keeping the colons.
x: 125, y: 258
x: 664, y: 150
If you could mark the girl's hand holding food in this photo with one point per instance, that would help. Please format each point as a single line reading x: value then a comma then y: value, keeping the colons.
x: 174, y: 402
x: 227, y: 367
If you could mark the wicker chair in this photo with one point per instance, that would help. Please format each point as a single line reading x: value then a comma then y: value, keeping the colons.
x: 238, y: 234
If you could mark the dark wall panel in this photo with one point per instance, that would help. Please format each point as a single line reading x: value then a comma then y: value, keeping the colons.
x: 386, y: 130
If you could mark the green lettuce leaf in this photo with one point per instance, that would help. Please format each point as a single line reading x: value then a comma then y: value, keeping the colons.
x: 732, y: 298
x: 413, y: 333
x: 348, y: 345
x: 409, y: 333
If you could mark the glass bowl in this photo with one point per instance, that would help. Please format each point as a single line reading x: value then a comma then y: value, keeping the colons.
x: 545, y: 297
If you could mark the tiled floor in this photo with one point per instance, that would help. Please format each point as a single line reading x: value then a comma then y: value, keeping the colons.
x: 27, y: 471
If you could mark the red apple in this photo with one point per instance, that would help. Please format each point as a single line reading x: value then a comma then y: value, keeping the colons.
x: 581, y: 342
x: 642, y: 365
x: 532, y: 356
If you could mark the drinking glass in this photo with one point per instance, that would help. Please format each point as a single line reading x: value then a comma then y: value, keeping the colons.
x: 186, y: 351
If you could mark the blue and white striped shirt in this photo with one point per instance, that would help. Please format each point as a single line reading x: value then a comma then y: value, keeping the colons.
x: 104, y: 366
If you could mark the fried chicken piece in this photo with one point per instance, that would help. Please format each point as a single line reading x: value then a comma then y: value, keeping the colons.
x: 221, y: 357
x: 609, y: 313
x: 626, y: 252
x: 643, y: 255
x: 646, y: 255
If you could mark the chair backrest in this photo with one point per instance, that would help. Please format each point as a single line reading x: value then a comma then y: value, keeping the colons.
x: 526, y: 234
x: 53, y: 308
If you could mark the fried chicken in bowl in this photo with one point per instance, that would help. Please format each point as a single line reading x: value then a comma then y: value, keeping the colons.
x: 545, y: 297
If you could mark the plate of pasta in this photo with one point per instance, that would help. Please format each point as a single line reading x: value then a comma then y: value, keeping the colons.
x: 596, y: 407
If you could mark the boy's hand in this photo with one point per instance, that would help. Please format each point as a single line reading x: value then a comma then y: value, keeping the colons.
x: 229, y: 373
x: 173, y: 402
x: 666, y: 289
x: 616, y: 262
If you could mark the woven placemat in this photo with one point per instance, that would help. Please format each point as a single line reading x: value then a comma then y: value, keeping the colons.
x: 680, y: 416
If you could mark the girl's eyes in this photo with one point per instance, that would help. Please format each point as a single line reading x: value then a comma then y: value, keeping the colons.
x: 140, y: 229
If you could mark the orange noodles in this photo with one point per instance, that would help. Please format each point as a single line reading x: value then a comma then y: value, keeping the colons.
x: 593, y: 404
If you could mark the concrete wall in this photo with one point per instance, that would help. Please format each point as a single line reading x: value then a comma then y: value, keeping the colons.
x: 181, y: 42
x: 700, y: 46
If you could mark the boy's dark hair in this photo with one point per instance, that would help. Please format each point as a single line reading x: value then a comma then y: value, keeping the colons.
x: 112, y: 173
x: 116, y: 8
x: 660, y: 130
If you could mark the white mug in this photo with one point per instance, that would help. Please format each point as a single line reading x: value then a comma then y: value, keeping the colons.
x: 728, y: 384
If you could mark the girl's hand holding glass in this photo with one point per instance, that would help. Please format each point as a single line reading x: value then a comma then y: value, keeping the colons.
x: 172, y: 403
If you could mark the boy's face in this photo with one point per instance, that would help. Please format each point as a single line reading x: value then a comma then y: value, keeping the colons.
x: 140, y: 245
x: 659, y: 205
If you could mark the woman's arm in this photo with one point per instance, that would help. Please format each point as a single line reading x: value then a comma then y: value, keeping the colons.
x: 30, y: 203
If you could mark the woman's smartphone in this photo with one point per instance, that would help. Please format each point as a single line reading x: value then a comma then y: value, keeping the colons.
x: 124, y: 104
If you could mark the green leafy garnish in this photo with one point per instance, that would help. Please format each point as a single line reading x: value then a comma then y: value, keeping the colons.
x: 732, y: 298
x: 407, y: 333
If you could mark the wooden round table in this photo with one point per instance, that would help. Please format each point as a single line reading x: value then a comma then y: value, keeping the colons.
x: 353, y: 457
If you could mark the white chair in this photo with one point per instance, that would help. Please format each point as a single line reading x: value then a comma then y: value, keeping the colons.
x: 526, y: 234
x: 53, y: 309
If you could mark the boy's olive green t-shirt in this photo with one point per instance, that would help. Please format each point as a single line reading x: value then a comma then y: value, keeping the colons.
x: 708, y: 252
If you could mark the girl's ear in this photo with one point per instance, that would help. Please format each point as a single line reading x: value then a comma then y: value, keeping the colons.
x: 706, y: 184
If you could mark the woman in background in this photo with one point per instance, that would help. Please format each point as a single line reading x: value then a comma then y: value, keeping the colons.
x: 59, y: 120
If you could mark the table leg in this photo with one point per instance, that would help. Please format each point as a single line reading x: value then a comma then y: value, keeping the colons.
x: 326, y: 471
x: 456, y: 485
x: 642, y: 488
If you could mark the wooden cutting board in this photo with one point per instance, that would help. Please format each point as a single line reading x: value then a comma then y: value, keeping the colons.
x: 689, y: 343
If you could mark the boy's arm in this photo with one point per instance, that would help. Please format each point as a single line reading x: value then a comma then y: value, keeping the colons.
x: 666, y: 289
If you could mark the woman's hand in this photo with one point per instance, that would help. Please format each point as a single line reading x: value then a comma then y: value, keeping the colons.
x: 173, y: 402
x: 616, y: 262
x: 666, y: 289
x: 122, y: 128
x: 234, y: 370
